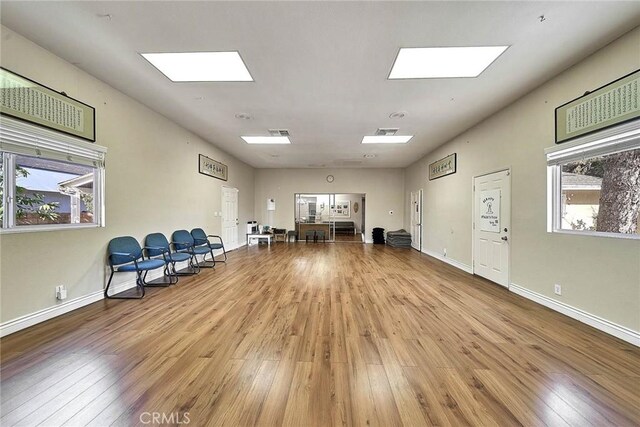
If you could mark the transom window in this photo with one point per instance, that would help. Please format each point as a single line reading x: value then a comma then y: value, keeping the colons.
x: 48, y: 180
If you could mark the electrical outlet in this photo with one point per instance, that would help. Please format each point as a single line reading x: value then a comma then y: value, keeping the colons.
x: 61, y: 292
x: 557, y: 289
x: 444, y: 251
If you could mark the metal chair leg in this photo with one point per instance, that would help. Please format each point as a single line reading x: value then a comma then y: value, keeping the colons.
x: 143, y: 280
x: 169, y: 274
x: 193, y: 263
x: 190, y: 266
x: 106, y: 290
x: 224, y: 252
x: 204, y: 262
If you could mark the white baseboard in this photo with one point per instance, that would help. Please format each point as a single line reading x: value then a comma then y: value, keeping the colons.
x: 450, y: 261
x: 23, y: 322
x: 231, y: 248
x: 618, y: 331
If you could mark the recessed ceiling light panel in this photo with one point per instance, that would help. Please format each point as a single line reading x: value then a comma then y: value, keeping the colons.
x: 266, y: 139
x: 200, y: 66
x: 443, y: 62
x: 391, y: 139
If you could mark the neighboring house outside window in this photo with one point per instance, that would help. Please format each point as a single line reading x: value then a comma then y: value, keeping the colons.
x: 580, y: 201
x: 48, y: 180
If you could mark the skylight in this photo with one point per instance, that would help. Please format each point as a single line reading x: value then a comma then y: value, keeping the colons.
x: 200, y: 66
x: 266, y: 139
x: 386, y: 139
x: 443, y: 62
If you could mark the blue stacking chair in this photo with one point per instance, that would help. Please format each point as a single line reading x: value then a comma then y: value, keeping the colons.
x: 202, y: 239
x: 183, y: 241
x: 125, y: 255
x: 156, y: 245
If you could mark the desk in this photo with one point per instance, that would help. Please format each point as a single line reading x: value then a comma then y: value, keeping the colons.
x: 303, y: 227
x: 257, y: 237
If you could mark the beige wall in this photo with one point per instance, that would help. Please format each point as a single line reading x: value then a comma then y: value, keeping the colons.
x: 598, y: 275
x: 152, y: 184
x: 158, y: 158
x: 383, y: 188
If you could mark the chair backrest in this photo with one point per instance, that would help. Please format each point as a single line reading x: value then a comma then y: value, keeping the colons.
x: 182, y: 239
x: 124, y: 244
x: 199, y: 236
x: 156, y: 240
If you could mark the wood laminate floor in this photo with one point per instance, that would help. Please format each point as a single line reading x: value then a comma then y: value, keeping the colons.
x: 355, y: 238
x: 298, y: 335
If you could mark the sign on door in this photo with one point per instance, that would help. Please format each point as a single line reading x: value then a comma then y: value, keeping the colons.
x: 490, y: 211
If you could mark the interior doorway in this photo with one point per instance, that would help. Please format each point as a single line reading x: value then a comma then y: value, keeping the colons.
x: 491, y: 226
x: 340, y: 217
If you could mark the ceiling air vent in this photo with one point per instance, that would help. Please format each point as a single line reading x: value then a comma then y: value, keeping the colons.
x: 279, y: 132
x: 386, y: 131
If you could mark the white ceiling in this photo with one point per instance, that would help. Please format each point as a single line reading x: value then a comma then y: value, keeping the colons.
x: 320, y: 68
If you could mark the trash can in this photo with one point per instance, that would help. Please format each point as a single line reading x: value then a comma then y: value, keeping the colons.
x: 378, y: 236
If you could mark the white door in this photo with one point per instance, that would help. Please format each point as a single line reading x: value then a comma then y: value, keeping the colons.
x: 416, y: 220
x: 492, y: 226
x: 230, y: 217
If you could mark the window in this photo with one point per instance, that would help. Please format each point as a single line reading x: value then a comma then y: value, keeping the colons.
x: 48, y: 180
x: 594, y: 184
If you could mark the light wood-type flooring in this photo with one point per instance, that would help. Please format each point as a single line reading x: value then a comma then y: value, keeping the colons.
x: 320, y: 335
x: 355, y: 238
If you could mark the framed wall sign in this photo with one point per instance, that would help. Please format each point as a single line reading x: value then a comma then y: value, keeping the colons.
x: 612, y: 104
x: 443, y: 167
x: 32, y: 102
x: 210, y: 167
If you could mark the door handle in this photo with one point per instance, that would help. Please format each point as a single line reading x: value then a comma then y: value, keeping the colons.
x: 504, y: 238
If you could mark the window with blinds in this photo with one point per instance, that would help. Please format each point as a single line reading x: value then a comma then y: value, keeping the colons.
x: 594, y: 184
x: 48, y: 180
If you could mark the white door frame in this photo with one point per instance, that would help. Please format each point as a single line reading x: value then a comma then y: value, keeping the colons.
x: 238, y: 242
x: 420, y: 202
x: 473, y: 219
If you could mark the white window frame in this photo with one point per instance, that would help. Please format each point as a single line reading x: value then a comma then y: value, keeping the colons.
x: 23, y: 139
x: 609, y: 141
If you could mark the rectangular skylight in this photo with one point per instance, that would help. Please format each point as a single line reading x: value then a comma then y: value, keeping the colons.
x: 266, y: 139
x: 386, y: 139
x: 200, y: 66
x: 442, y: 62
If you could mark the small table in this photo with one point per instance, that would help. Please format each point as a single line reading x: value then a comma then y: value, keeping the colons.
x: 257, y: 237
